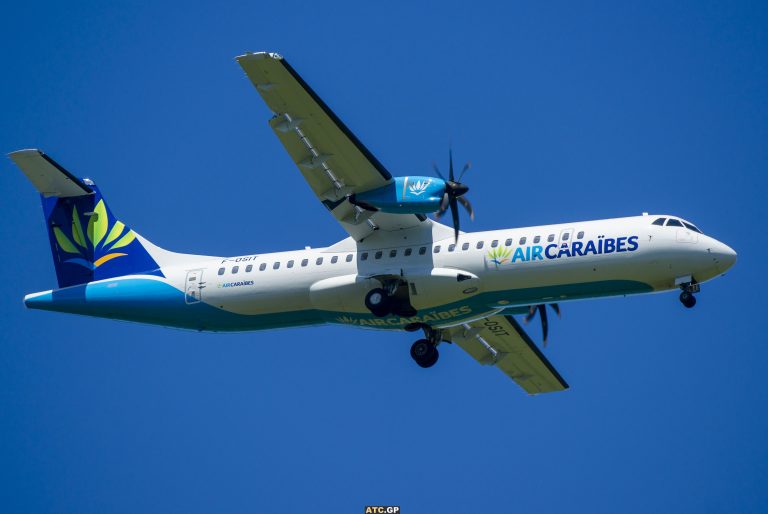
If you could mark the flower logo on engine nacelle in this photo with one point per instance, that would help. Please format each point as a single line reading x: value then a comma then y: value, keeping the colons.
x: 419, y: 187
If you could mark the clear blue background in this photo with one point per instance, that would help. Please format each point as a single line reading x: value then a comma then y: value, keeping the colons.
x: 567, y: 113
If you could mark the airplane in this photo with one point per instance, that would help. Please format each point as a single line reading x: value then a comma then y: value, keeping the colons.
x: 396, y: 270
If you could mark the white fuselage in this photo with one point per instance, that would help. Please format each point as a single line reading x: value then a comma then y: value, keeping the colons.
x: 484, y: 273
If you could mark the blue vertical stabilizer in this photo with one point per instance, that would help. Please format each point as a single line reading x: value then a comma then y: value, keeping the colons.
x: 88, y: 243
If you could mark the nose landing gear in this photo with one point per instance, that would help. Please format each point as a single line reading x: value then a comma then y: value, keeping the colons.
x: 686, y: 297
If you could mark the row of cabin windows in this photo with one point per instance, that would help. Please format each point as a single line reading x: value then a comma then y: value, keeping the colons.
x: 393, y: 253
x: 289, y: 264
x: 508, y: 242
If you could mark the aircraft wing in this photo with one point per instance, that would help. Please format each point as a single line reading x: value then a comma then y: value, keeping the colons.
x: 501, y: 341
x: 333, y: 161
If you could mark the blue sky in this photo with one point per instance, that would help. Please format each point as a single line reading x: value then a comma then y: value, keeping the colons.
x: 568, y: 112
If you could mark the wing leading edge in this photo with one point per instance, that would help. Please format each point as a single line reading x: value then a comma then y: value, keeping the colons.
x: 501, y: 341
x: 332, y: 160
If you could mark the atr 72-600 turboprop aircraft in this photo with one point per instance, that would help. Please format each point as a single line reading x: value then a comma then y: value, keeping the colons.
x: 397, y: 270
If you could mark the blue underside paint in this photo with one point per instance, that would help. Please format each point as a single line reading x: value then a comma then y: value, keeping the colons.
x: 153, y: 301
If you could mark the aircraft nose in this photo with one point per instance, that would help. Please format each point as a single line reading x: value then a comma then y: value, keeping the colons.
x: 724, y: 255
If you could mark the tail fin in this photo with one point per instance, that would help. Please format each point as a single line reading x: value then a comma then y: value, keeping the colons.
x: 87, y: 241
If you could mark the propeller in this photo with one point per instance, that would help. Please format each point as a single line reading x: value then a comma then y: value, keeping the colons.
x: 454, y: 195
x: 542, y: 309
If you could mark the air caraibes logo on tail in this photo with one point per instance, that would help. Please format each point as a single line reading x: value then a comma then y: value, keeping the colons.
x: 99, y: 239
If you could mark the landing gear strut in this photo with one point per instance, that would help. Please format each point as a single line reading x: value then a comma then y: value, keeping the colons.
x: 686, y: 297
x: 424, y: 351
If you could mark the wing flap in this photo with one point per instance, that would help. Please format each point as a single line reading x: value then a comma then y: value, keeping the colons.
x: 332, y: 160
x: 300, y: 112
x: 501, y: 341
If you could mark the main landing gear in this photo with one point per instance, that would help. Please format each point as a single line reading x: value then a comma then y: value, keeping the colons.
x: 424, y: 351
x: 686, y: 297
x: 390, y: 299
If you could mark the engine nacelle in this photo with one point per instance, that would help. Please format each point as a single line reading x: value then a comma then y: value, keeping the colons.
x: 406, y: 195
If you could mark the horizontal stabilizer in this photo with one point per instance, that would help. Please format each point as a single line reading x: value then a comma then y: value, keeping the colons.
x: 48, y: 177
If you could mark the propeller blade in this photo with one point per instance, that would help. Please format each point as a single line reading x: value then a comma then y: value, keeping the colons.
x: 450, y: 164
x: 531, y: 314
x: 434, y: 167
x: 443, y: 206
x: 455, y: 216
x: 556, y: 308
x: 464, y: 170
x: 468, y: 206
x: 544, y: 322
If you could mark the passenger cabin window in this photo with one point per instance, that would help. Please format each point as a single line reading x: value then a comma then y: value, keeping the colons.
x: 249, y: 268
x: 304, y: 263
x: 276, y: 265
x: 508, y: 242
x: 290, y: 264
x: 221, y: 271
x: 423, y: 250
x: 364, y: 256
x: 480, y: 244
x: 437, y: 249
x: 551, y: 237
x: 465, y: 246
x: 319, y: 261
x: 378, y: 254
x: 451, y: 247
x: 408, y: 252
x: 349, y: 258
x: 671, y: 222
x: 659, y: 222
x: 522, y: 241
x: 580, y: 235
x: 566, y: 236
x: 235, y: 269
x: 494, y: 243
x: 334, y: 259
x: 392, y: 254
x: 537, y: 239
x: 263, y: 266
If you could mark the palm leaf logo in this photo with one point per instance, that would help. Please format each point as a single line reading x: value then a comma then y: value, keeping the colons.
x: 499, y: 256
x: 97, y: 239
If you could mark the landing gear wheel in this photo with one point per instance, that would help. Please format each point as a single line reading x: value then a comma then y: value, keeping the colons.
x: 424, y: 353
x: 377, y: 301
x: 687, y: 299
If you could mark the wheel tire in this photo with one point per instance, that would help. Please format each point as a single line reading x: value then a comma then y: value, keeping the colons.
x: 377, y: 302
x: 424, y: 353
x: 687, y: 299
x: 434, y: 355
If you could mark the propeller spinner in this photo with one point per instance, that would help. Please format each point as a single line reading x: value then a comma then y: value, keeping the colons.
x: 454, y: 195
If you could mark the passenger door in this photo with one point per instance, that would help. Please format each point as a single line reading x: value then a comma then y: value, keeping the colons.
x: 194, y: 286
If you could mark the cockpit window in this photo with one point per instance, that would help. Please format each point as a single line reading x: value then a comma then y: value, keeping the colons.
x: 659, y: 222
x: 692, y: 227
x: 672, y: 222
